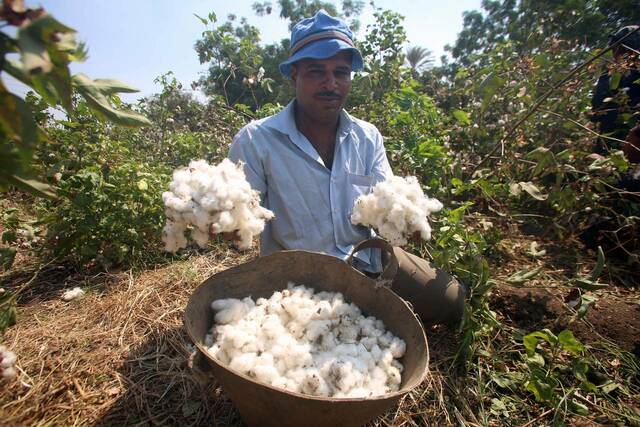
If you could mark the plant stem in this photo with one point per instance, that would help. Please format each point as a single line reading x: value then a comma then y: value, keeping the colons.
x: 544, y: 97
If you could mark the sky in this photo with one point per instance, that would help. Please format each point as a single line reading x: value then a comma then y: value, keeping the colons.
x: 136, y: 41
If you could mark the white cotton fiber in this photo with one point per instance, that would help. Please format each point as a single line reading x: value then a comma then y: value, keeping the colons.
x: 312, y: 343
x: 72, y: 294
x: 7, y: 362
x: 218, y: 199
x: 397, y: 208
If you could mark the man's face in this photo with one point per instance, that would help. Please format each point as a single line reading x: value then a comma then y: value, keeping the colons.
x: 322, y: 85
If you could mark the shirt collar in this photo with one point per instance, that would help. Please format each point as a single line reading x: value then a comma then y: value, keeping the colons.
x: 285, y: 122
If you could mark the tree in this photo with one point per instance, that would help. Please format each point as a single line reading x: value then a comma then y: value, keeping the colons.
x: 528, y: 23
x: 418, y: 58
x: 241, y: 70
x: 295, y: 11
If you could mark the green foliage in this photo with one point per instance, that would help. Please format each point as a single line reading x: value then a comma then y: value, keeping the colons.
x: 46, y: 48
x: 109, y: 215
x: 237, y: 71
x: 531, y: 23
x: 295, y: 11
x: 556, y: 369
x: 110, y: 179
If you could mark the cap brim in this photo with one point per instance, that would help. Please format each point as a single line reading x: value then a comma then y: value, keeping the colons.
x: 323, y: 49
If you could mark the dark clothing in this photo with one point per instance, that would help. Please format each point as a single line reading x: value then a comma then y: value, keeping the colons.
x: 613, y: 110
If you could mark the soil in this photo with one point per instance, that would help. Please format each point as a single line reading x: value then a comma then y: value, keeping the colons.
x: 613, y: 317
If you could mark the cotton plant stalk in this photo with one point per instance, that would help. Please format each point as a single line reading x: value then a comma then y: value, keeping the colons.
x: 208, y: 199
x: 397, y: 209
x: 312, y: 343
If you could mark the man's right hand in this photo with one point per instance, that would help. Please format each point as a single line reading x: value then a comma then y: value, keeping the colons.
x: 228, y: 236
x: 631, y: 147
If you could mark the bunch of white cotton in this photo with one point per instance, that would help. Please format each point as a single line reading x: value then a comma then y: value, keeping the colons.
x: 397, y: 208
x: 306, y: 342
x: 7, y: 360
x: 208, y: 198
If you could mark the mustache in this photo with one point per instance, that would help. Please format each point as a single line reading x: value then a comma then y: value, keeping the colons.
x: 328, y: 94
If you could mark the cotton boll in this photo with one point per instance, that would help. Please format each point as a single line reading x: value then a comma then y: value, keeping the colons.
x: 231, y: 311
x: 385, y: 340
x: 8, y: 359
x: 316, y: 329
x: 282, y: 341
x: 72, y: 294
x: 7, y: 362
x: 266, y: 373
x: 397, y: 347
x: 369, y: 342
x: 393, y: 378
x: 9, y: 373
x: 396, y: 208
x: 216, y: 198
x: 244, y: 363
x: 314, y: 385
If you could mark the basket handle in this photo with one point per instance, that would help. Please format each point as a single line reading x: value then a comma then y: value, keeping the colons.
x: 389, y: 271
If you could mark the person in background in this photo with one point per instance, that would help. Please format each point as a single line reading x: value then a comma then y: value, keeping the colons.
x: 616, y: 98
x: 311, y: 161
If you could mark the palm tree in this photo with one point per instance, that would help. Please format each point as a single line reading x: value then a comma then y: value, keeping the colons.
x: 418, y: 58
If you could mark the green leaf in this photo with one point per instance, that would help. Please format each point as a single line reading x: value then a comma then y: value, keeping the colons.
x: 586, y: 301
x: 95, y: 93
x: 534, y: 251
x: 16, y: 119
x: 588, y: 285
x: 597, y: 270
x: 533, y: 191
x: 498, y: 407
x: 7, y: 256
x: 531, y: 340
x: 462, y: 117
x: 502, y: 380
x: 578, y: 407
x: 203, y: 20
x: 570, y: 343
x: 523, y: 276
x: 36, y: 41
x: 36, y: 188
x: 609, y: 386
x: 8, y: 311
x: 9, y: 236
x: 614, y: 82
x: 542, y: 391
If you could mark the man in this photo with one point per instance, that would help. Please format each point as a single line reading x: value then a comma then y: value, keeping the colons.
x: 311, y: 161
x: 616, y: 104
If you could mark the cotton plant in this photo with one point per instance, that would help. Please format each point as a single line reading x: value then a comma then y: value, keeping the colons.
x: 206, y: 199
x: 397, y: 209
x: 7, y: 361
x: 306, y: 342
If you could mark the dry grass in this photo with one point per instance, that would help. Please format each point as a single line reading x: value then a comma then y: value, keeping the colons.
x: 119, y: 356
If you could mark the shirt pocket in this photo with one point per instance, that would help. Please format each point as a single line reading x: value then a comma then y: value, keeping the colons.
x: 358, y: 185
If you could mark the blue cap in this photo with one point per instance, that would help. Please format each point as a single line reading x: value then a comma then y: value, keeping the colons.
x: 321, y: 37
